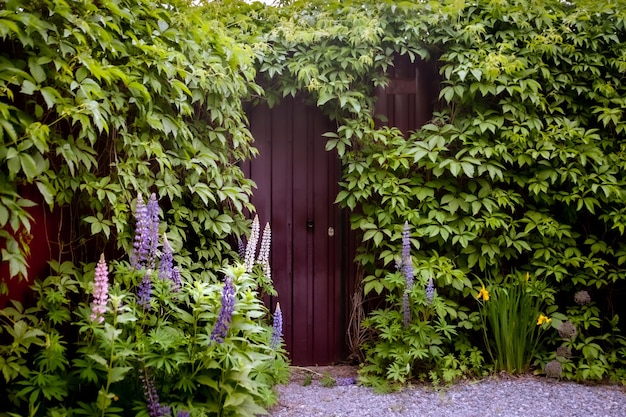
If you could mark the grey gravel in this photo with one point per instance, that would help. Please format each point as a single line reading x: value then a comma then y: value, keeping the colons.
x: 525, y: 396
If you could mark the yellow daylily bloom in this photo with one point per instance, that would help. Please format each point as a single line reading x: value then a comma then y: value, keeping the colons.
x: 483, y: 293
x: 543, y: 319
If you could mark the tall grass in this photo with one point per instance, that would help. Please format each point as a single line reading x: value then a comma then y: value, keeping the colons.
x: 510, y: 324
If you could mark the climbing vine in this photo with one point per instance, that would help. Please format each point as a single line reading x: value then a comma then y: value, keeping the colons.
x: 99, y: 99
x: 519, y: 171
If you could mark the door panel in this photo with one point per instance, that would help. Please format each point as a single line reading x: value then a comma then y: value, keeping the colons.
x: 297, y: 183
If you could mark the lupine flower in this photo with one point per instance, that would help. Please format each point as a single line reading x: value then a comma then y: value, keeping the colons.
x: 277, y: 328
x: 167, y: 260
x: 146, y: 233
x: 226, y: 312
x: 100, y: 291
x: 252, y: 244
x: 241, y: 248
x: 145, y: 291
x: 407, y: 261
x: 155, y: 408
x: 141, y: 245
x: 567, y: 330
x: 430, y: 290
x: 553, y: 369
x: 175, y: 279
x: 406, y: 309
x: 543, y: 319
x: 483, y: 293
x: 264, y: 252
x: 582, y: 297
x: 153, y: 216
x: 182, y: 413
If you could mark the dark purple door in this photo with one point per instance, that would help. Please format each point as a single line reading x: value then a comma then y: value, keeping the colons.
x: 297, y: 183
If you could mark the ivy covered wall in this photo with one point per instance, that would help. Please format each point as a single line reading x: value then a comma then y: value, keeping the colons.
x: 101, y: 100
x: 519, y: 172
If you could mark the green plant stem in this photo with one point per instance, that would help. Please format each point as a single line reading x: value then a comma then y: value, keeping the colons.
x: 111, y: 357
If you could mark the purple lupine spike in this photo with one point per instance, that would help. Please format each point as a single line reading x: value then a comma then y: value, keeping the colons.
x: 167, y: 260
x: 100, y: 291
x: 241, y: 248
x: 141, y: 245
x: 264, y: 252
x: 155, y: 408
x: 226, y: 312
x: 407, y: 261
x: 430, y: 290
x: 182, y: 413
x: 153, y: 231
x: 145, y: 291
x: 277, y: 328
x: 176, y: 279
x: 406, y: 309
x: 252, y: 244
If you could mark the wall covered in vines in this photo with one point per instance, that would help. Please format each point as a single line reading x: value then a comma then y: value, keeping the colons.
x: 520, y: 172
x: 102, y: 100
x: 519, y: 176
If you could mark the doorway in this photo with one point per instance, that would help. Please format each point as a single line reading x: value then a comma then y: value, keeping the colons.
x: 297, y: 183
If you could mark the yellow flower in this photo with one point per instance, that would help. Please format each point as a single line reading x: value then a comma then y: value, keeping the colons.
x: 527, y: 276
x: 543, y: 319
x: 483, y: 293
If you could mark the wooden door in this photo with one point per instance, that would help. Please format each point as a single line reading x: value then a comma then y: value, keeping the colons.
x: 408, y: 101
x: 297, y: 183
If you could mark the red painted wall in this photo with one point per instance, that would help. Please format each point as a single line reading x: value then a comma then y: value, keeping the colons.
x: 43, y: 236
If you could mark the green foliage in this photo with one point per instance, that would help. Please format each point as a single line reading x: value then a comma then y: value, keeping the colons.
x: 57, y: 358
x: 417, y: 329
x: 513, y: 322
x: 520, y: 168
x: 594, y: 352
x: 101, y: 98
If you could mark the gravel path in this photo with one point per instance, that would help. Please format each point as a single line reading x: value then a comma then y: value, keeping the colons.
x: 498, y: 397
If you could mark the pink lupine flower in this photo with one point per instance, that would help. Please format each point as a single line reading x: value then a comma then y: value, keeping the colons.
x: 100, y: 291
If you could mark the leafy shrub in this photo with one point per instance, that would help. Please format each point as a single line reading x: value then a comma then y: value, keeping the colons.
x: 99, y: 98
x: 416, y: 331
x: 513, y: 322
x: 153, y: 340
x: 586, y: 346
